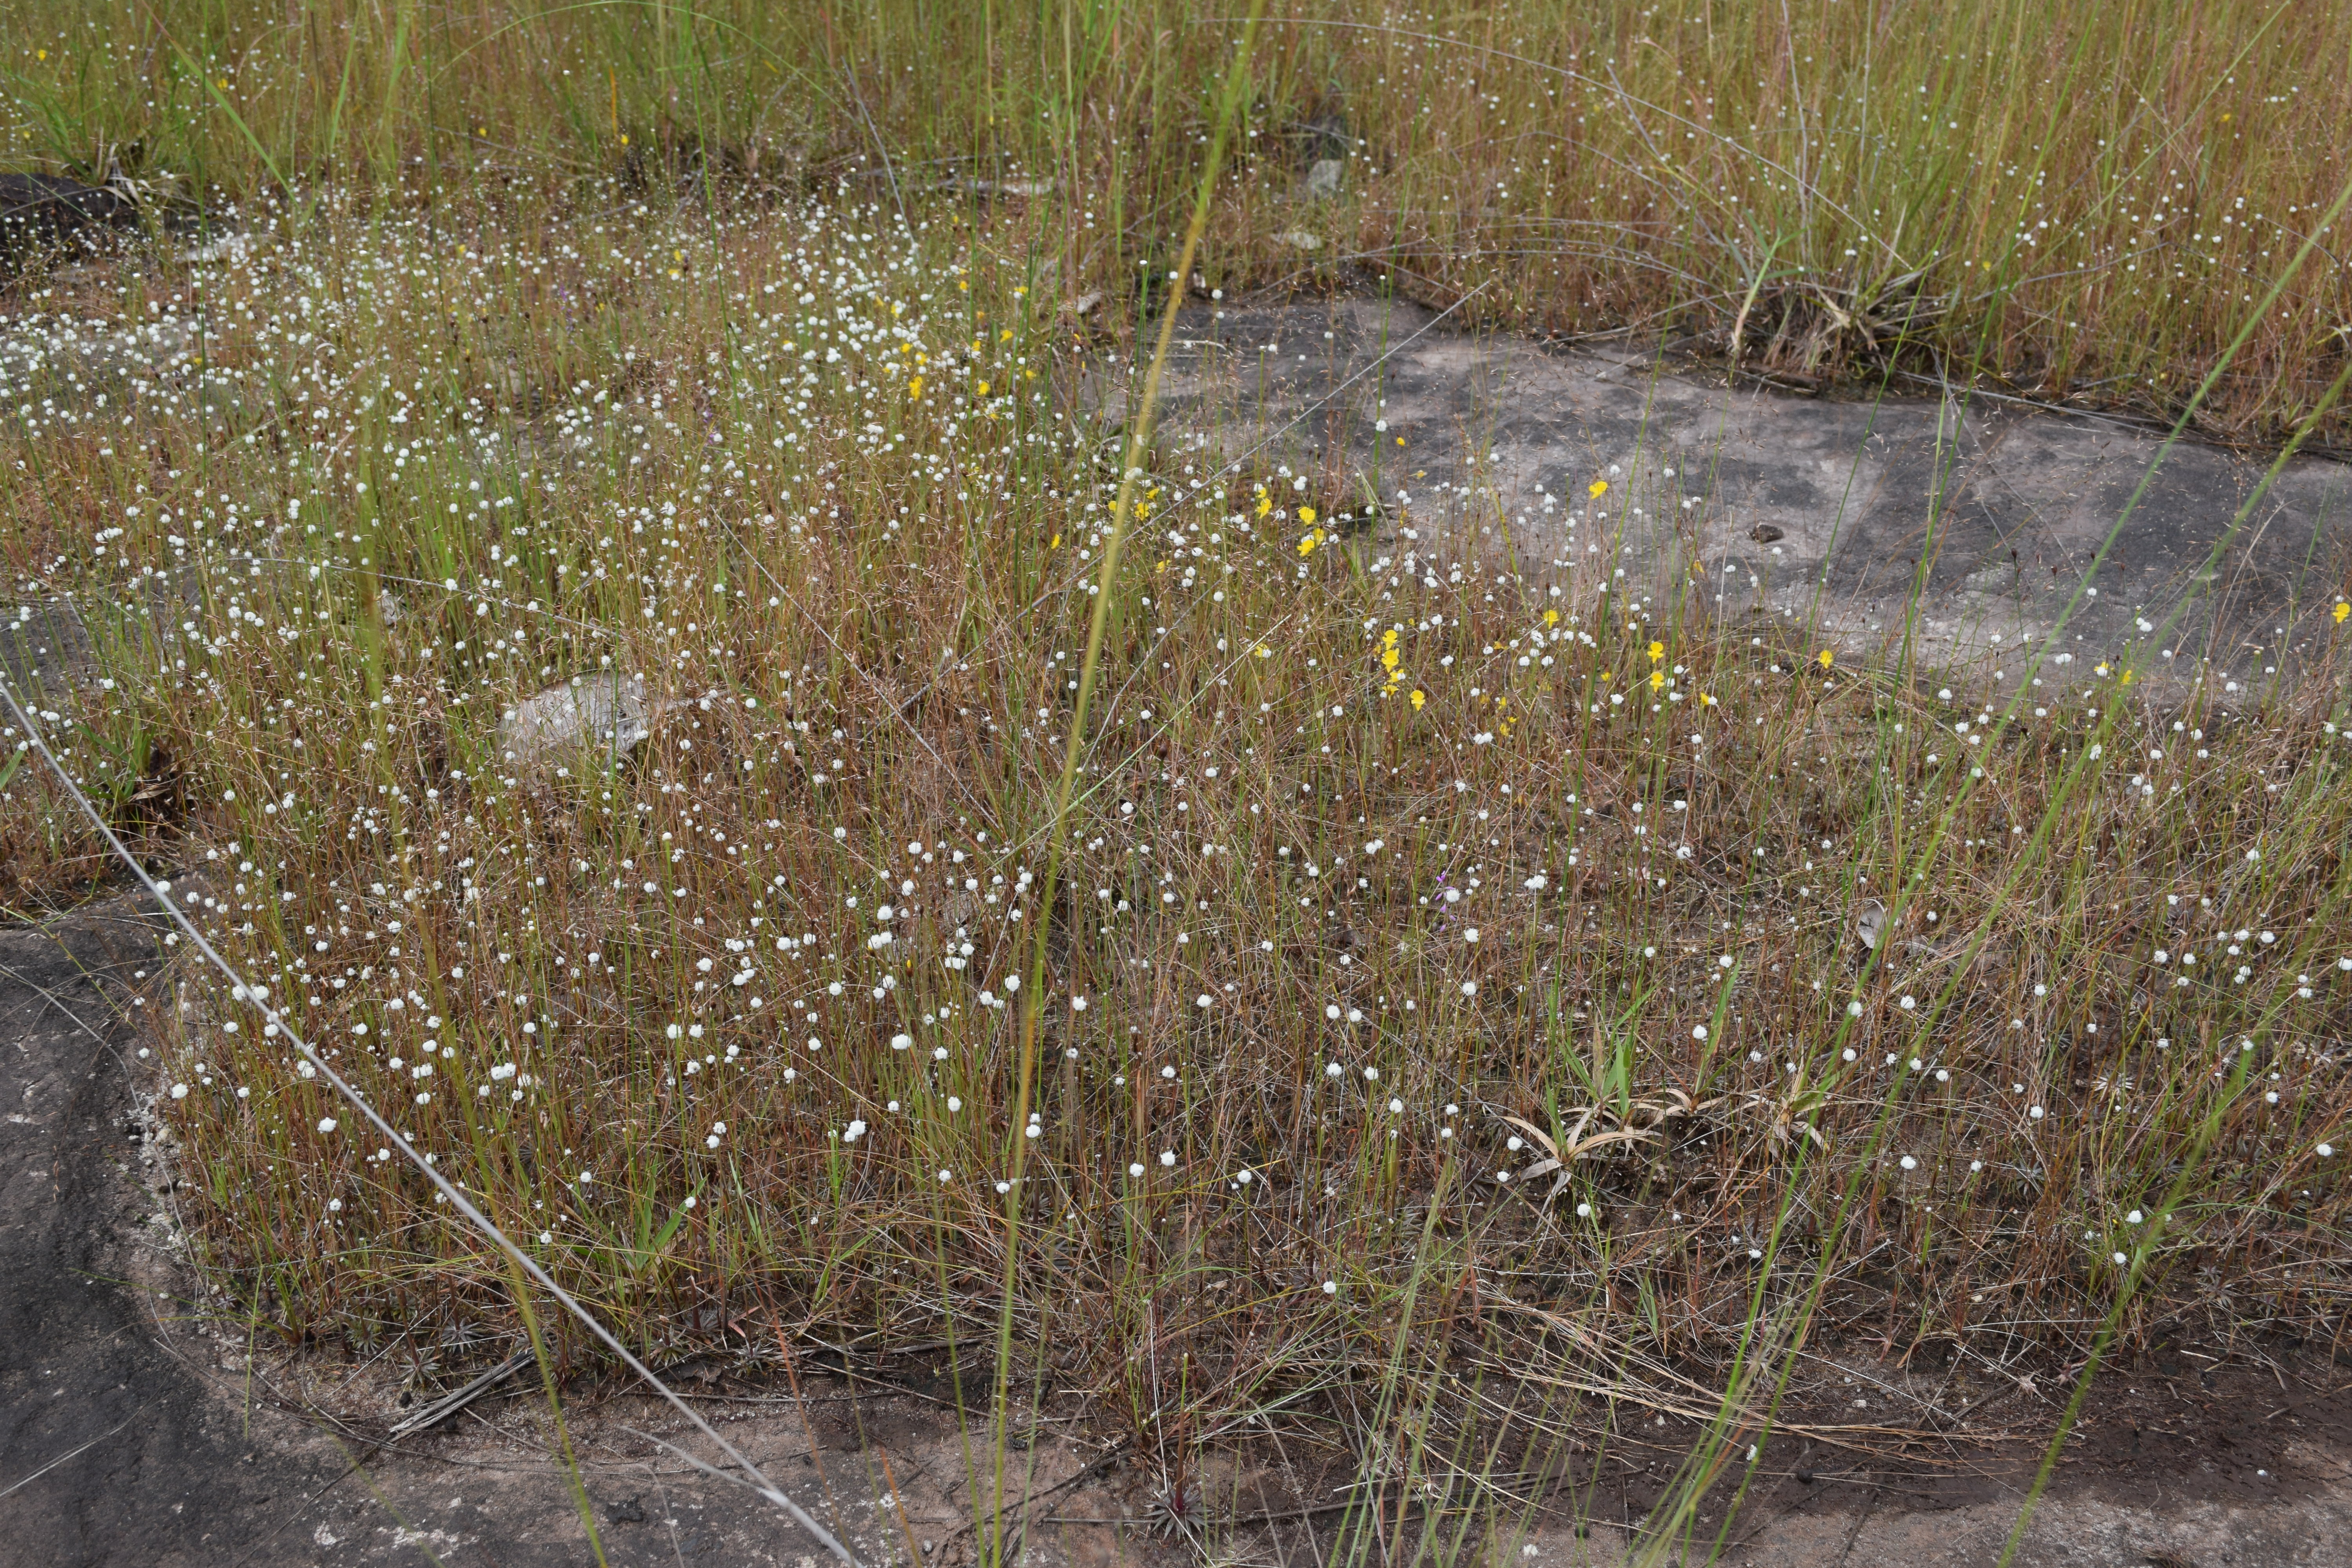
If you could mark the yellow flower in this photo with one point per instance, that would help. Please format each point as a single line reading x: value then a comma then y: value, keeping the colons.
x: 1597, y: 489
x: 1388, y: 637
x: 1265, y: 503
x: 1054, y: 542
x: 2342, y: 610
x: 1657, y: 651
x: 1307, y: 514
x: 1658, y: 678
x: 1388, y: 659
x: 1552, y: 617
x: 1419, y: 697
x: 984, y: 389
x: 1604, y: 675
x: 915, y: 387
x: 1307, y: 543
x: 1824, y: 656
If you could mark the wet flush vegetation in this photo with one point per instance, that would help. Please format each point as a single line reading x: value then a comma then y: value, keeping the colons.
x: 1411, y: 943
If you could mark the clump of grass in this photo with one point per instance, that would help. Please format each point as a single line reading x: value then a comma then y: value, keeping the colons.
x: 1375, y: 846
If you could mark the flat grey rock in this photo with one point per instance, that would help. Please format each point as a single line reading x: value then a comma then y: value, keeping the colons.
x: 605, y: 711
x: 53, y: 651
x: 1972, y: 526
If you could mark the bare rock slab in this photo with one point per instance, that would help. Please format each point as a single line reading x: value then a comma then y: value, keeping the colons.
x: 1970, y: 526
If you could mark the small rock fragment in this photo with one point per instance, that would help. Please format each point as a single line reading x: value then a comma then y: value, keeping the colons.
x: 1323, y: 178
x: 605, y: 711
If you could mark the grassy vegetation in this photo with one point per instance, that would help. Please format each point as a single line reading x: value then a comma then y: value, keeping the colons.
x: 1378, y: 888
x: 2074, y: 204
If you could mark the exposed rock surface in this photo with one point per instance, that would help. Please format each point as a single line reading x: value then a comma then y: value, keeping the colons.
x: 48, y: 213
x: 1967, y: 526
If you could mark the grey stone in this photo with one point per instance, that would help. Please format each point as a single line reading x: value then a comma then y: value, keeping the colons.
x: 46, y: 651
x: 608, y: 713
x: 1959, y: 528
x: 55, y: 650
x: 1324, y: 177
x: 48, y: 213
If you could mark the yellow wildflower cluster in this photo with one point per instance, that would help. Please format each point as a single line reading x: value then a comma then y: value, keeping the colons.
x: 1389, y: 657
